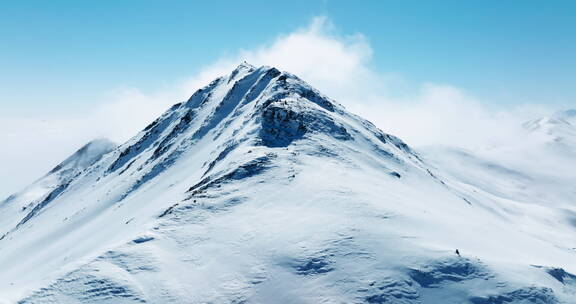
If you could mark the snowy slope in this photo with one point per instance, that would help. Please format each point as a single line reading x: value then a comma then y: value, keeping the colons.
x: 558, y: 130
x: 538, y: 167
x: 537, y: 170
x: 25, y: 203
x: 259, y: 189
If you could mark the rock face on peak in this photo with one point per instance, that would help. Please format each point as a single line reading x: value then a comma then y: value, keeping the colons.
x: 260, y: 189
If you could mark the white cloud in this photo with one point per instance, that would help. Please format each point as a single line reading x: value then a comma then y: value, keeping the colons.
x: 338, y: 65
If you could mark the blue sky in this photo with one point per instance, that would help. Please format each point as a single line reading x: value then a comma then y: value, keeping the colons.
x: 69, y: 53
x: 431, y: 72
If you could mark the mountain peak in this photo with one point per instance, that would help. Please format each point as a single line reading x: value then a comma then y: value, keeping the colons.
x: 251, y: 107
x: 242, y: 68
x: 86, y: 155
x: 245, y: 65
x: 36, y: 196
x: 258, y: 183
x: 557, y: 130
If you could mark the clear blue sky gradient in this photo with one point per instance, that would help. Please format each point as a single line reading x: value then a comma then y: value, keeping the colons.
x: 56, y: 54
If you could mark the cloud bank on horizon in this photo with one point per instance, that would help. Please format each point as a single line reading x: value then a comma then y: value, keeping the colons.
x: 336, y: 64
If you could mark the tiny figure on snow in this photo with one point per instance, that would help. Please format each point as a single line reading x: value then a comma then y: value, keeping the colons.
x: 457, y: 252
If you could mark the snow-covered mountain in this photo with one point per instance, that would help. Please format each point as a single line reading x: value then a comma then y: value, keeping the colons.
x: 20, y: 207
x: 558, y: 129
x: 259, y: 189
x: 538, y: 167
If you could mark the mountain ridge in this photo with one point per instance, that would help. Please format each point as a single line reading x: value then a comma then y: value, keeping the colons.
x: 260, y: 189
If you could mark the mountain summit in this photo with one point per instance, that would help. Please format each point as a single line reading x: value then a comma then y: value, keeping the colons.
x: 260, y: 189
x: 557, y: 130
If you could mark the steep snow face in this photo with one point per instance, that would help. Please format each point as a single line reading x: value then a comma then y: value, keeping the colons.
x: 27, y: 202
x: 260, y: 189
x: 83, y: 158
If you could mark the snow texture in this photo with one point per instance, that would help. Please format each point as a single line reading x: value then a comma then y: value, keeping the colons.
x: 259, y: 189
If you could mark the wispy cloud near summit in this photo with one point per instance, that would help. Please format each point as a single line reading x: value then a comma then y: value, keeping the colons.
x: 339, y: 65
